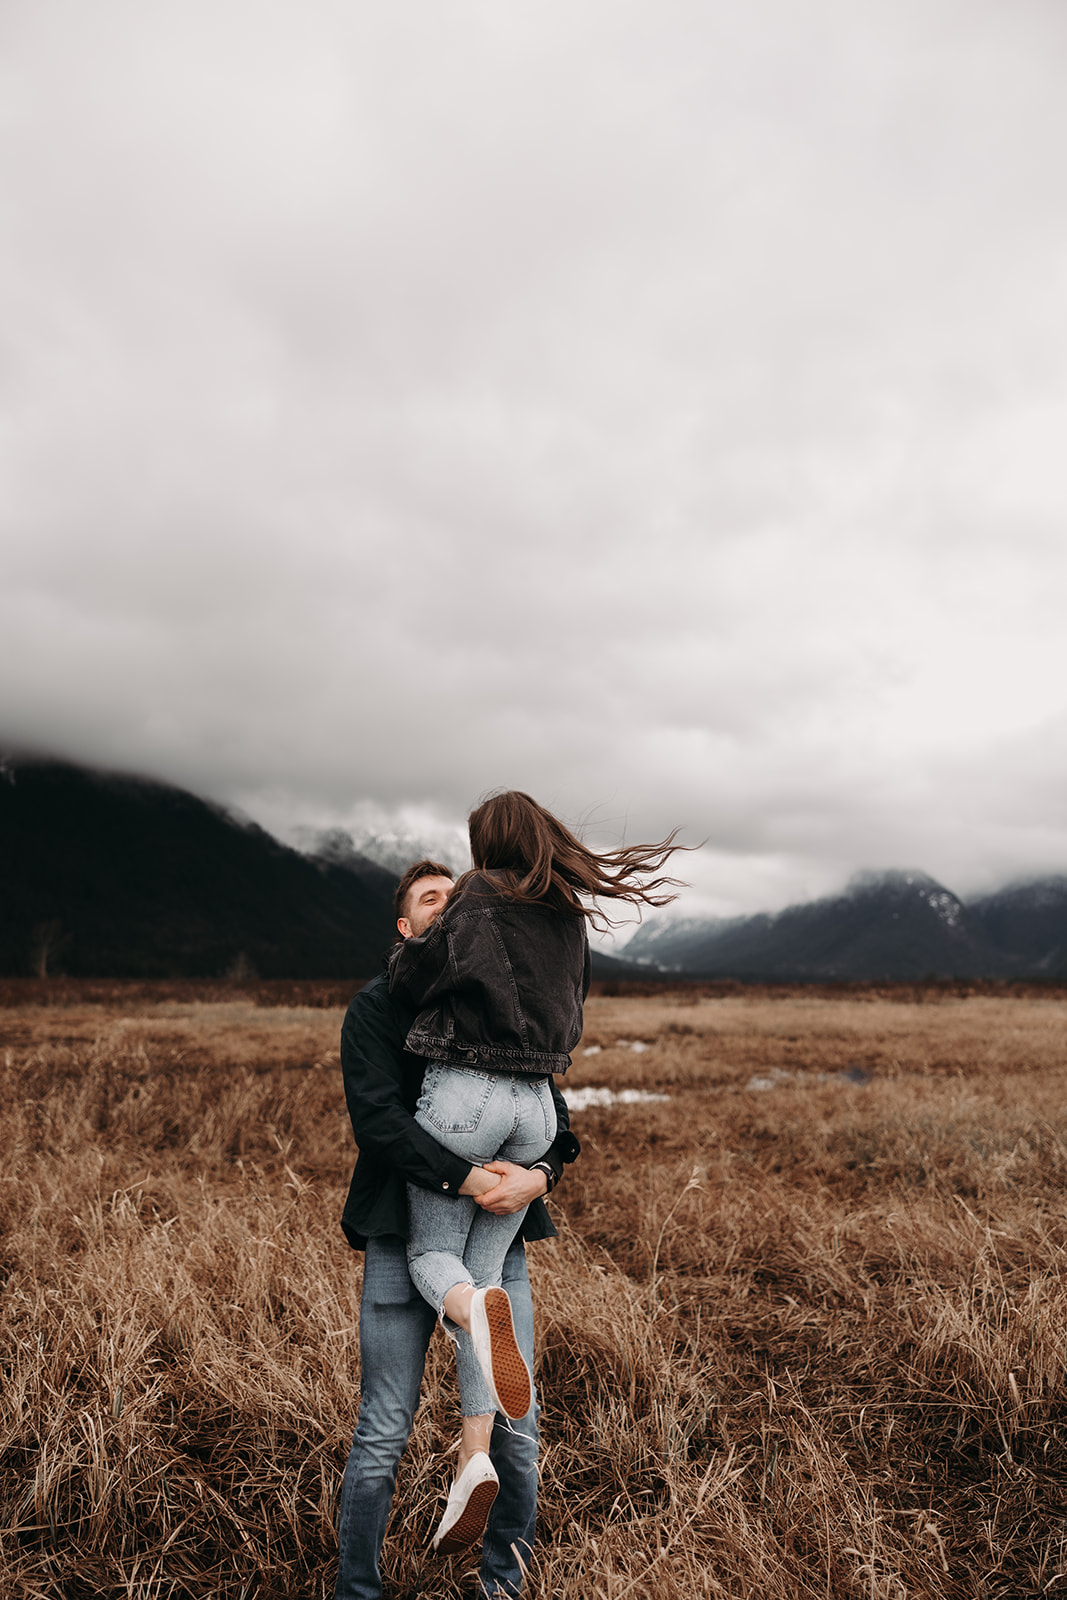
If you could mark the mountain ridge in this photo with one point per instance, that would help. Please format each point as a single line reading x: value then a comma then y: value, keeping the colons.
x: 891, y: 925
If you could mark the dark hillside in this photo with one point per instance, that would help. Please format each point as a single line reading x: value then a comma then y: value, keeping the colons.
x: 1029, y: 922
x: 892, y: 925
x: 102, y: 874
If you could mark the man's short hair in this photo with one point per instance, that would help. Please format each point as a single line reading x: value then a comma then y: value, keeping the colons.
x: 418, y: 869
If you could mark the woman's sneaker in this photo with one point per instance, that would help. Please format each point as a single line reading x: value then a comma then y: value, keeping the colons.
x: 498, y: 1353
x: 470, y: 1501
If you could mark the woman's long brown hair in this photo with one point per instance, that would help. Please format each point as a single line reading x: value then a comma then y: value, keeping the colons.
x: 544, y: 863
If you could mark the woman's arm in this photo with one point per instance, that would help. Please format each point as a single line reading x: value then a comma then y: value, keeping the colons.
x: 420, y: 969
x: 458, y: 946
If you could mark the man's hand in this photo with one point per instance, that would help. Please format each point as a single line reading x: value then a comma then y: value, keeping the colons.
x: 480, y: 1180
x: 515, y: 1188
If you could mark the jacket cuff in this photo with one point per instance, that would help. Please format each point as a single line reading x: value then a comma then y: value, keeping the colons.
x: 563, y: 1149
x: 444, y: 1175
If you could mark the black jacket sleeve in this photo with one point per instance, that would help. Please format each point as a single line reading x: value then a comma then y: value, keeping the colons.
x: 420, y: 969
x: 372, y: 1064
x: 564, y: 1147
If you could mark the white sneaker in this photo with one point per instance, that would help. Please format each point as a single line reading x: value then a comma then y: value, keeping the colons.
x: 470, y: 1501
x: 498, y: 1353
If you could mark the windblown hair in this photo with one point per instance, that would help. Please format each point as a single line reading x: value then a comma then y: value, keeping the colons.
x: 417, y: 870
x: 543, y: 862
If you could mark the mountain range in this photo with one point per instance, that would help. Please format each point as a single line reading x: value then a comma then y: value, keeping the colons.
x: 889, y: 925
x: 108, y: 875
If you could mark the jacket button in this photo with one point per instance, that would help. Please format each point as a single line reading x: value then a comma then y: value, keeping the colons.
x: 444, y: 1186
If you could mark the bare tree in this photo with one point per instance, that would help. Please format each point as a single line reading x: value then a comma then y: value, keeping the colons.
x: 46, y: 941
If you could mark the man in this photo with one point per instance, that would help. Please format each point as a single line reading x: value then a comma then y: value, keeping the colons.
x: 382, y: 1085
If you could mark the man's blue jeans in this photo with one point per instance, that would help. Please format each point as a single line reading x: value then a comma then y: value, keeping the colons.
x: 395, y: 1327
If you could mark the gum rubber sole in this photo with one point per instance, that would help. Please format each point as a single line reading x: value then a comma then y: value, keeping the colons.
x: 511, y: 1376
x: 470, y: 1525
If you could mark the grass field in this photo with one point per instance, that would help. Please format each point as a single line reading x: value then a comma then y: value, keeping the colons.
x: 803, y: 1333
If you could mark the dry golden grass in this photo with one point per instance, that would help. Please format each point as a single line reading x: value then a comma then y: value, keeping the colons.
x: 805, y: 1341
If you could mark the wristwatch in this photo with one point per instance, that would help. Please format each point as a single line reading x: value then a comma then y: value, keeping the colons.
x: 549, y: 1172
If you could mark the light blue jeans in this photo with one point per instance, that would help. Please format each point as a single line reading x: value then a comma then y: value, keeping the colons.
x: 481, y: 1116
x: 395, y: 1328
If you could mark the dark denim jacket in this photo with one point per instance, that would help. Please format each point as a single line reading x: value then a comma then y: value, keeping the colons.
x: 497, y: 984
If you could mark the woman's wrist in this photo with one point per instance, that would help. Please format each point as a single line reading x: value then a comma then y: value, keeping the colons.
x: 478, y: 1181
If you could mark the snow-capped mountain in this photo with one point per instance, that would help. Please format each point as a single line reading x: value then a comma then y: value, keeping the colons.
x: 393, y: 849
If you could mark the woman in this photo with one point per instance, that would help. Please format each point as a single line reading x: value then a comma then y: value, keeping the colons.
x: 498, y: 983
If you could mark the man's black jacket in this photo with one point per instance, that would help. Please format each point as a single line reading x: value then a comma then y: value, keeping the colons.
x: 383, y: 1082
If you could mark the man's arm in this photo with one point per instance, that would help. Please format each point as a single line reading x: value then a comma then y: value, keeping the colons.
x: 519, y: 1186
x: 372, y: 1044
x: 565, y: 1147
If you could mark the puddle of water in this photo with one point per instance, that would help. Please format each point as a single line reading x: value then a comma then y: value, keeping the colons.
x: 582, y: 1099
x: 638, y: 1046
x: 853, y: 1074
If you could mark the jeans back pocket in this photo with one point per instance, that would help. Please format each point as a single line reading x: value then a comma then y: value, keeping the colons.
x: 454, y: 1100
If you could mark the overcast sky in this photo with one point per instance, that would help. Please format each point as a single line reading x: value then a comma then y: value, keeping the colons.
x: 659, y: 407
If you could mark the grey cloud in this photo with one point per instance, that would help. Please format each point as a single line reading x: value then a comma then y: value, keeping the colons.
x: 658, y: 408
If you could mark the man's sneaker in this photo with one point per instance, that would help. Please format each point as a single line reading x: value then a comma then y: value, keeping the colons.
x: 498, y: 1353
x: 470, y: 1501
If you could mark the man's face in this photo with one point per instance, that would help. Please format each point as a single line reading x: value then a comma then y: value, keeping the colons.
x: 425, y: 902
